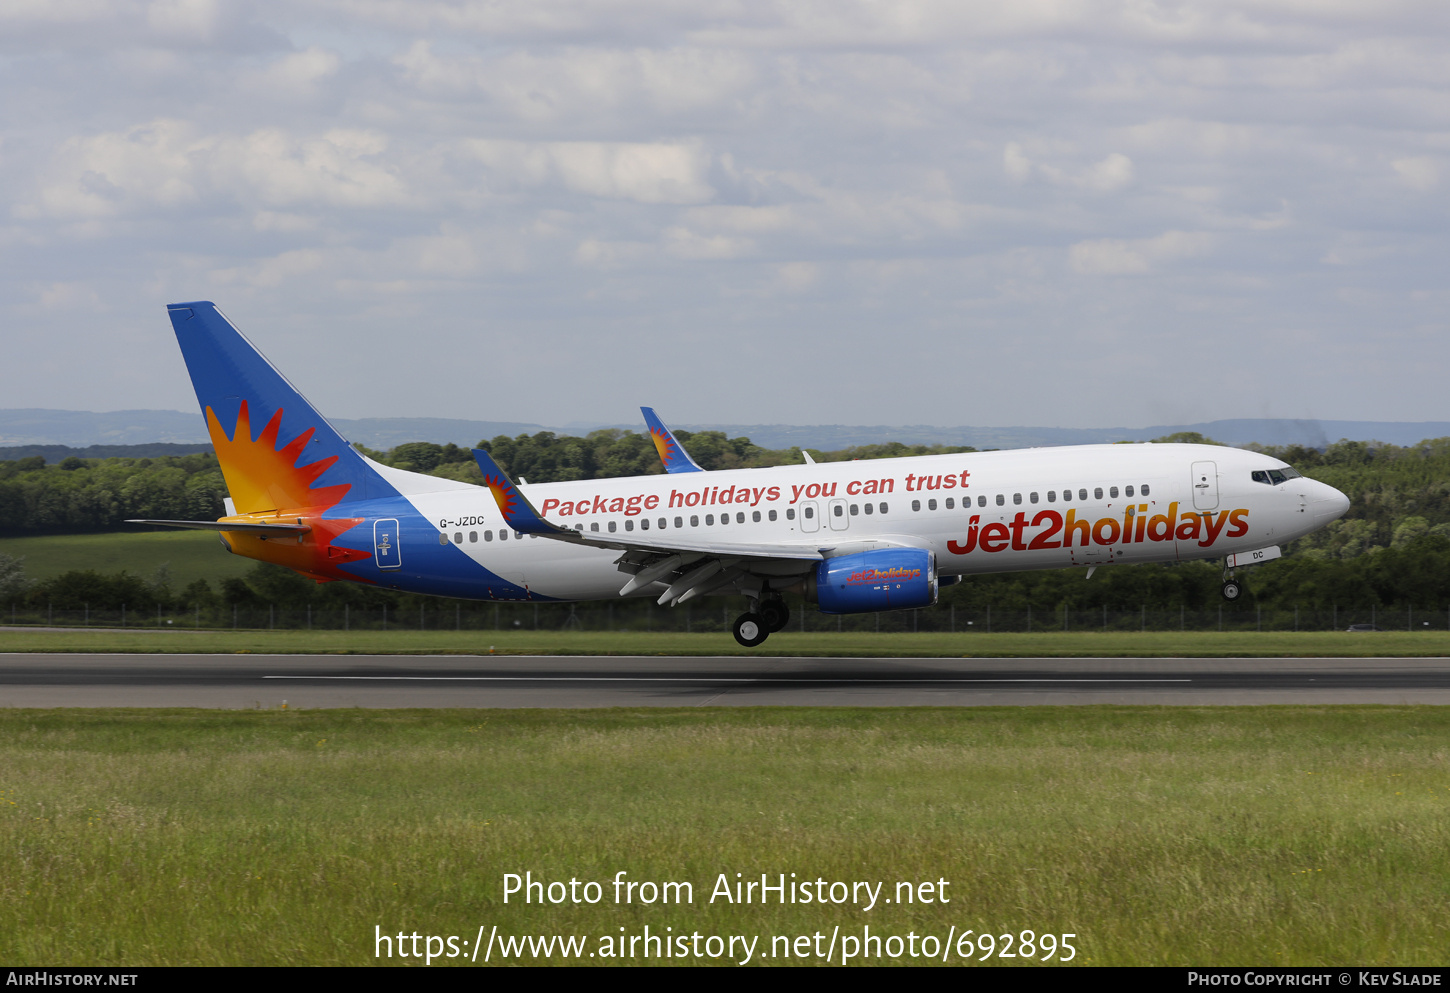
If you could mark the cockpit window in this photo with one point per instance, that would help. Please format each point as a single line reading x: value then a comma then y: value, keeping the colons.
x: 1273, y: 477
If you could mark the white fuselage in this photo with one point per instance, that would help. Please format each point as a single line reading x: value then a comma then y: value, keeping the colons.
x: 978, y: 512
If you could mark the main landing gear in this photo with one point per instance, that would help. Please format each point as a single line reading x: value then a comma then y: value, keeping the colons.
x: 766, y: 617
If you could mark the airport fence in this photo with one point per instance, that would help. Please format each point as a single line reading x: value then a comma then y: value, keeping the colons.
x: 718, y: 615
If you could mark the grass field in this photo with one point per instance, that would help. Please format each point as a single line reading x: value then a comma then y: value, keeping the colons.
x: 1160, y: 836
x: 933, y: 645
x: 190, y: 555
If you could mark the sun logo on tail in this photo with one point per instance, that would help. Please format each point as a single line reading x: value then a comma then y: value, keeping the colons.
x: 266, y: 479
x: 665, y: 445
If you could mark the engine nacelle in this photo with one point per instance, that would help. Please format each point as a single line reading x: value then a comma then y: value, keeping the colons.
x: 883, y: 579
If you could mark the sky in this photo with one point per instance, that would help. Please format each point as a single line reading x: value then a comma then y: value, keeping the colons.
x: 1071, y: 213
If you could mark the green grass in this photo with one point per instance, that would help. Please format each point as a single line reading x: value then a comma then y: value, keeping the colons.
x: 1160, y: 836
x: 1052, y: 644
x: 190, y: 555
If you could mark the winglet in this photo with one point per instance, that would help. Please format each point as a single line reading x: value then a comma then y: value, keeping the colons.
x: 672, y: 453
x: 517, y: 512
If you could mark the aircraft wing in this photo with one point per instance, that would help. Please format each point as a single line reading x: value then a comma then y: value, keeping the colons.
x: 687, y: 567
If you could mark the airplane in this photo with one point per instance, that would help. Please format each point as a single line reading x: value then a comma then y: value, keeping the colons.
x: 849, y: 537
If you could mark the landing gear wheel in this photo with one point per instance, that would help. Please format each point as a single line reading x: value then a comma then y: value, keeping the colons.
x: 750, y: 630
x: 775, y: 614
x: 1232, y: 590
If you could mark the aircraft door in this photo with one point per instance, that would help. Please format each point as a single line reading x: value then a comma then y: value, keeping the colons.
x: 386, y: 550
x: 837, y: 515
x: 1205, y: 485
x: 810, y: 516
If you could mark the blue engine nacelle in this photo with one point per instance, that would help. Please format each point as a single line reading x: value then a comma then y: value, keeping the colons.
x: 884, y: 579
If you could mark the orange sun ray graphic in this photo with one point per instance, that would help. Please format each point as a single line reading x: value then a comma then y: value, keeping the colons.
x: 664, y: 444
x: 265, y: 479
x: 504, y: 495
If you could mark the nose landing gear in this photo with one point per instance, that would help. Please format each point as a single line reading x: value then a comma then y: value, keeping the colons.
x: 1231, y: 588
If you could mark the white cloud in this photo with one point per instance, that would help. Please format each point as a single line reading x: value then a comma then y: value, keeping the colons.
x: 1117, y: 257
x: 1111, y: 174
x: 166, y: 165
x: 645, y: 172
x: 608, y: 172
x: 1420, y: 173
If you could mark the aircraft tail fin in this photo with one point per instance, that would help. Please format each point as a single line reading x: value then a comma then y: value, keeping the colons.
x: 672, y: 453
x: 277, y: 452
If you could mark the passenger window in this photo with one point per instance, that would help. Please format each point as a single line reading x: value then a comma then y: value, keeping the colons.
x: 789, y: 513
x: 644, y: 523
x: 883, y: 508
x: 1051, y: 496
x: 1097, y: 492
x: 1016, y: 498
x: 931, y: 504
x: 868, y: 508
x: 855, y: 510
x: 1143, y: 489
x: 915, y: 506
x: 1113, y: 492
x: 755, y: 516
x: 951, y: 504
x: 458, y: 537
x: 771, y: 514
x: 1032, y: 498
x: 663, y: 523
x: 473, y: 536
x: 1082, y: 494
x: 981, y: 501
x: 740, y: 516
x: 503, y: 536
x: 679, y: 522
x: 1001, y: 500
x: 442, y: 538
x: 1127, y: 491
x: 628, y: 524
x: 592, y: 527
x: 709, y: 520
x: 837, y: 511
x: 488, y: 536
x: 694, y: 520
x: 809, y: 513
x: 611, y: 527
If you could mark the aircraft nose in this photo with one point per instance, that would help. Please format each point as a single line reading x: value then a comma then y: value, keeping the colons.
x: 1329, y: 504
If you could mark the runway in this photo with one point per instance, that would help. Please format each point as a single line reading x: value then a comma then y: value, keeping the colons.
x: 382, y: 681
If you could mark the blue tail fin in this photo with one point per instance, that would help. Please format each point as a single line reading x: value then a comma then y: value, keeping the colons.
x: 276, y: 451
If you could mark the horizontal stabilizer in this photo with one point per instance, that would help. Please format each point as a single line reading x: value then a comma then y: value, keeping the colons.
x: 245, y: 528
